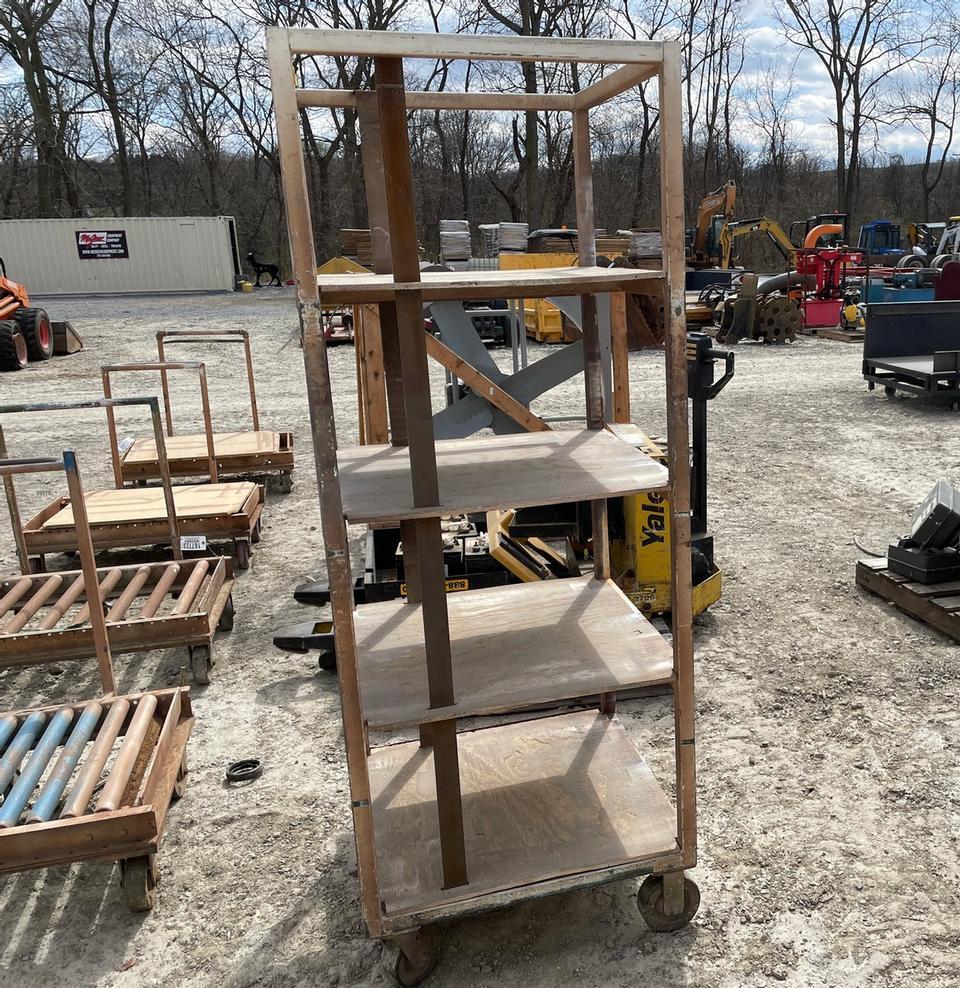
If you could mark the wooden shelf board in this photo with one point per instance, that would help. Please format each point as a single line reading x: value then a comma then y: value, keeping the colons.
x: 436, y: 286
x: 482, y: 473
x: 144, y: 450
x: 542, y: 800
x: 511, y: 647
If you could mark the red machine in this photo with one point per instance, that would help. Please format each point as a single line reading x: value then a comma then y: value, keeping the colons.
x: 25, y: 332
x: 829, y: 267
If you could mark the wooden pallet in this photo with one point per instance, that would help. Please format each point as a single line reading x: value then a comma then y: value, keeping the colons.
x: 935, y: 604
x: 834, y: 333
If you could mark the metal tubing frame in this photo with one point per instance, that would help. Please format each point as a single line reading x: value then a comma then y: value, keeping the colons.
x: 163, y: 367
x: 646, y: 60
x: 88, y: 563
x: 106, y: 403
x: 167, y: 336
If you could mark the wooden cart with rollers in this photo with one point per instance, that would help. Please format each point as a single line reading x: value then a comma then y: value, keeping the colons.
x: 124, y: 518
x: 260, y: 452
x: 462, y: 819
x: 181, y: 603
x: 92, y: 780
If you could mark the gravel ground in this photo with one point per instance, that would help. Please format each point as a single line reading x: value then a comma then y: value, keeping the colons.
x: 827, y: 722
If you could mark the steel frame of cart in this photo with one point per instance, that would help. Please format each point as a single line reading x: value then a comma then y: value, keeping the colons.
x: 417, y: 863
x: 36, y: 538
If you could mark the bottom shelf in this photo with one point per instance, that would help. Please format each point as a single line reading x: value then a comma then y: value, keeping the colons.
x: 542, y: 799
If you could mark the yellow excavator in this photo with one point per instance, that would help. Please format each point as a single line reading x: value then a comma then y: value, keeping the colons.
x: 715, y: 211
x: 761, y: 224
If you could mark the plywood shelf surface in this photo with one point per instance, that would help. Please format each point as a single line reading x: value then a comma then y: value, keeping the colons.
x: 542, y: 799
x: 147, y: 504
x: 436, y: 286
x: 144, y: 450
x: 482, y: 473
x: 510, y: 647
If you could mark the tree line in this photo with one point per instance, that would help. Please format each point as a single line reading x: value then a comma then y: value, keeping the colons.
x: 163, y: 107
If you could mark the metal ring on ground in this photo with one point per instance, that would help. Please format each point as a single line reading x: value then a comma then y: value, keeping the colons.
x: 246, y: 770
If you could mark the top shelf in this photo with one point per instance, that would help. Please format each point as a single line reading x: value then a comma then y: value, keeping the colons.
x: 438, y: 286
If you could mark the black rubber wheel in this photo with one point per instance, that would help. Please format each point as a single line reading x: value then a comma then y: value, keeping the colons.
x: 139, y: 878
x: 241, y: 552
x: 200, y: 662
x: 328, y: 660
x: 226, y: 615
x: 255, y: 533
x: 37, y: 331
x: 245, y: 770
x: 13, y: 347
x: 37, y: 564
x: 416, y: 963
x: 889, y: 392
x: 285, y: 483
x: 650, y: 904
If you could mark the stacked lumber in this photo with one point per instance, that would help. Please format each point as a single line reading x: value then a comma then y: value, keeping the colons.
x: 513, y: 237
x: 358, y: 246
x: 455, y: 240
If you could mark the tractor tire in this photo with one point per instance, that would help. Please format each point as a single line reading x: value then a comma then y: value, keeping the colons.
x: 13, y: 347
x: 37, y: 331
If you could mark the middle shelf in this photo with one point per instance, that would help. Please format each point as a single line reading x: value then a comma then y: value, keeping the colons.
x: 486, y: 472
x: 511, y: 647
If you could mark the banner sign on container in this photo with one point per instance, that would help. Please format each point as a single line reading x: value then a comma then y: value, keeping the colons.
x: 101, y: 245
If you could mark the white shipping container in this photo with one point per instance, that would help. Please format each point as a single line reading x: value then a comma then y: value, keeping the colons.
x: 117, y: 255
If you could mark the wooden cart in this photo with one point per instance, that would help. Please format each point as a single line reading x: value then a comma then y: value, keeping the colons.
x: 456, y: 823
x: 260, y: 452
x: 62, y: 803
x: 124, y: 517
x: 48, y: 618
x: 63, y: 809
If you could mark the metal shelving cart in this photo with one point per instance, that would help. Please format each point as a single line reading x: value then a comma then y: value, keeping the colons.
x: 459, y: 822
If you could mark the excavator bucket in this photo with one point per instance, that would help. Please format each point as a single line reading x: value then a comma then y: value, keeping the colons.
x: 65, y: 338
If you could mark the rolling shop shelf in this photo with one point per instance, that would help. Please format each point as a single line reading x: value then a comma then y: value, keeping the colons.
x: 462, y: 821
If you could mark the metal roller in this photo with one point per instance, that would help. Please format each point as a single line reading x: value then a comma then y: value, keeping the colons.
x: 127, y: 757
x: 46, y: 803
x: 34, y: 604
x: 23, y: 788
x: 106, y: 585
x: 131, y: 590
x: 8, y: 724
x: 53, y: 616
x: 160, y: 591
x: 19, y: 746
x: 10, y: 598
x: 191, y: 588
x: 89, y: 775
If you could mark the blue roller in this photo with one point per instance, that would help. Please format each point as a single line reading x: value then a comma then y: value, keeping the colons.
x: 46, y: 804
x: 19, y: 746
x: 23, y: 788
x: 8, y: 724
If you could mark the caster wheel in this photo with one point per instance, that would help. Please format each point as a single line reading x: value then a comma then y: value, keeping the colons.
x: 139, y: 483
x: 419, y: 955
x: 37, y: 564
x: 328, y: 660
x: 226, y: 618
x: 200, y: 663
x: 139, y: 877
x: 255, y: 535
x: 889, y: 392
x: 241, y: 552
x: 180, y: 783
x: 285, y: 483
x: 650, y: 904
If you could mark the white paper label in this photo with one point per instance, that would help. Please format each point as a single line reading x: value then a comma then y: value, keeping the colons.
x: 193, y: 543
x: 126, y: 443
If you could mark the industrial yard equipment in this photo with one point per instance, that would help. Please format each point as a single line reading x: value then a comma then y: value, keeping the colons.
x: 829, y: 268
x: 704, y: 248
x: 914, y: 347
x: 731, y: 232
x: 921, y: 572
x: 68, y: 804
x: 260, y: 452
x: 534, y: 789
x: 202, y: 513
x: 881, y: 242
x: 26, y: 332
x: 46, y: 618
x: 801, y: 229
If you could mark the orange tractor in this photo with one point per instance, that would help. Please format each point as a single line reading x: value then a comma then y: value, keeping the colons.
x: 25, y: 332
